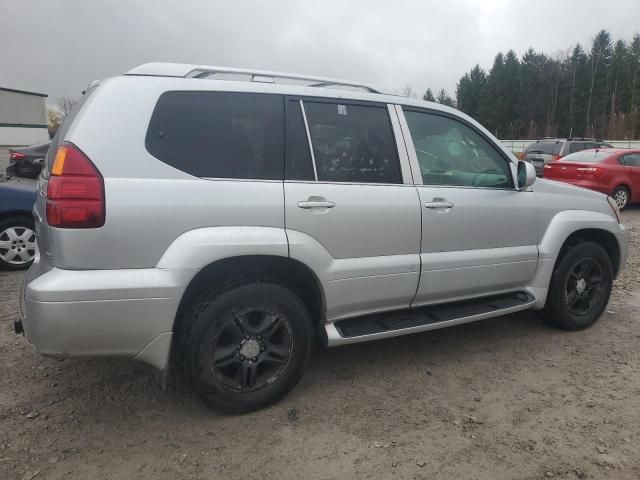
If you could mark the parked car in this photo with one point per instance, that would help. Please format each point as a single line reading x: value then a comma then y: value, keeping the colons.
x: 17, y: 231
x: 614, y: 172
x: 228, y: 224
x: 27, y: 162
x: 546, y: 150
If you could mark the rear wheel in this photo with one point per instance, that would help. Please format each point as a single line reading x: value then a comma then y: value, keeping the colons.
x: 17, y: 243
x: 621, y: 195
x: 580, y: 287
x: 247, y: 347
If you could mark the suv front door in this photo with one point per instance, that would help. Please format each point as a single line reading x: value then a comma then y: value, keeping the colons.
x: 479, y: 234
x: 351, y: 211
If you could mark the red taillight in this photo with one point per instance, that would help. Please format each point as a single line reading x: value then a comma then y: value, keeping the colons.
x: 17, y: 155
x: 75, y: 193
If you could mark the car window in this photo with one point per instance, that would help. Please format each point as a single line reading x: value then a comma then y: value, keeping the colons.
x: 298, y: 165
x: 577, y: 147
x: 548, y: 148
x: 219, y: 134
x: 587, y: 156
x: 631, y: 160
x: 452, y: 153
x: 352, y: 143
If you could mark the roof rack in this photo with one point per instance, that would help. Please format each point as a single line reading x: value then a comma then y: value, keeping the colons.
x: 263, y: 76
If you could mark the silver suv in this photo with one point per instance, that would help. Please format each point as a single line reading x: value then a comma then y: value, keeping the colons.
x: 224, y: 220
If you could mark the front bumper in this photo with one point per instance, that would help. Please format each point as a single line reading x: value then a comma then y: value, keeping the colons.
x: 128, y: 313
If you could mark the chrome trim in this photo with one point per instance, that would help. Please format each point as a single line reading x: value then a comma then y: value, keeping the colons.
x: 306, y: 127
x: 334, y: 338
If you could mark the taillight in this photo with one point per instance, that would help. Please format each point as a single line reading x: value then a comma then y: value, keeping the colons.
x: 75, y: 192
x: 17, y: 155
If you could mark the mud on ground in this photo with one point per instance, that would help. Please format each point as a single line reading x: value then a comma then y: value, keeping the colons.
x: 507, y: 398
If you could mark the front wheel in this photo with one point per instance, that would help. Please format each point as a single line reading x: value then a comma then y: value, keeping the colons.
x: 248, y: 347
x: 580, y: 287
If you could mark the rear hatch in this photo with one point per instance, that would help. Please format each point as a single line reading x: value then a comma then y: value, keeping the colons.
x: 541, y: 153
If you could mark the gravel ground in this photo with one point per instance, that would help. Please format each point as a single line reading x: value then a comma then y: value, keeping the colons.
x: 504, y: 398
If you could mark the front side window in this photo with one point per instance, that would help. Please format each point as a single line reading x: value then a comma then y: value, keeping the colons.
x: 219, y: 134
x: 451, y: 153
x: 352, y: 143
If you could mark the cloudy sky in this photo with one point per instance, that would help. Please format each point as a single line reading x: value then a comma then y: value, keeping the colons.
x: 58, y: 47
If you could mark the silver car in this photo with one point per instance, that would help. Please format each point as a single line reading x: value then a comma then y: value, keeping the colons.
x: 226, y: 220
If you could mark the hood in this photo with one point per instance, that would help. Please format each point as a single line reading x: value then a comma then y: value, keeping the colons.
x: 544, y: 185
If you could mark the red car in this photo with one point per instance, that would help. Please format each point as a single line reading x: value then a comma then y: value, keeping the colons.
x: 613, y: 171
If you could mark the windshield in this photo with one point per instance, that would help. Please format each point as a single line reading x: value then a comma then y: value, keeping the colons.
x: 587, y: 156
x: 548, y: 148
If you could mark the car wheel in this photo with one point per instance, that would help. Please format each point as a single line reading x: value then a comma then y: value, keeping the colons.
x: 580, y: 287
x: 248, y: 347
x: 621, y: 196
x: 17, y: 243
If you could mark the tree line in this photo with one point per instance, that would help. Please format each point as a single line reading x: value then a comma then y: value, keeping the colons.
x: 590, y: 93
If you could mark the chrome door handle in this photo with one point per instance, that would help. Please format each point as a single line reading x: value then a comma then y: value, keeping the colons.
x: 439, y: 203
x: 307, y: 204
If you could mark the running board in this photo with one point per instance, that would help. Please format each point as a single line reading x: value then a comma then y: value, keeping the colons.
x: 394, y: 324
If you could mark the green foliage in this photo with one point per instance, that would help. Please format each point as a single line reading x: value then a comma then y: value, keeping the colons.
x: 579, y: 93
x: 444, y: 98
x: 428, y: 96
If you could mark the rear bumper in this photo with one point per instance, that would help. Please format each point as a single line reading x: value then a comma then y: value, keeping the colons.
x: 126, y: 313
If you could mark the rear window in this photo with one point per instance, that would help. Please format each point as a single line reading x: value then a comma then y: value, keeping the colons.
x: 219, y: 134
x: 547, y: 148
x: 587, y: 156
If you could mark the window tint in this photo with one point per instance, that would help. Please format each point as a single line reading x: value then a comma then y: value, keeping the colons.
x: 548, y: 148
x: 298, y: 155
x: 352, y: 143
x: 451, y: 153
x: 631, y: 160
x: 578, y: 147
x: 219, y: 134
x: 587, y: 156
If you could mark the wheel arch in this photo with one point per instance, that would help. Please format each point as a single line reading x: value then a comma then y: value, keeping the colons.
x: 227, y: 273
x: 602, y: 237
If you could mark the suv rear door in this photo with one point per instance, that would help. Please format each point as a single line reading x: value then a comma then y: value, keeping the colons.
x: 350, y: 204
x: 479, y: 235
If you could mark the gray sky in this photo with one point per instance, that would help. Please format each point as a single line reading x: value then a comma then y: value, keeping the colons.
x: 58, y: 47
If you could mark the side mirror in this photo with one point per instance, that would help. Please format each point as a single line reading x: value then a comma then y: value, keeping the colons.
x: 526, y: 174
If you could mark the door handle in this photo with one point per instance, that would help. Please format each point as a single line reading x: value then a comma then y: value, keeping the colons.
x: 307, y: 204
x: 439, y: 203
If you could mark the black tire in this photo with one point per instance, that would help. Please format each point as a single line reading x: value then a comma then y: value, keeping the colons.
x: 566, y: 306
x: 622, y: 196
x: 253, y: 370
x: 24, y: 227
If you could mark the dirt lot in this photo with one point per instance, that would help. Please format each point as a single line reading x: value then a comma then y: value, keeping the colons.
x: 505, y: 398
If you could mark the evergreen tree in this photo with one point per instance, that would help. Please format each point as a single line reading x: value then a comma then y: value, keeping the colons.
x: 470, y: 89
x: 428, y: 96
x: 444, y: 98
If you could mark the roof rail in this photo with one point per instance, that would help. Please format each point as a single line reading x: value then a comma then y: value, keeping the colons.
x: 264, y: 76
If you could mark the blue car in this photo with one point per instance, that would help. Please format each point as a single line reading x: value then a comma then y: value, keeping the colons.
x: 17, y: 231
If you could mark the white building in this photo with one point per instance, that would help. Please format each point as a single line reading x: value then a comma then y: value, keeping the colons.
x: 23, y: 121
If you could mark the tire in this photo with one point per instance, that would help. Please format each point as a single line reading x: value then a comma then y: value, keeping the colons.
x: 621, y: 195
x: 260, y: 335
x: 17, y: 243
x: 566, y: 306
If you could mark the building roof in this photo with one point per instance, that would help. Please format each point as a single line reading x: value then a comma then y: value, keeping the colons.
x: 25, y: 92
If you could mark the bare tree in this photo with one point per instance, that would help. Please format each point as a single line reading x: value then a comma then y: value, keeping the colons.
x: 408, y: 91
x: 65, y: 105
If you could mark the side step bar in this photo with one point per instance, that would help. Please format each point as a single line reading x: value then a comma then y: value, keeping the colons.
x: 394, y: 324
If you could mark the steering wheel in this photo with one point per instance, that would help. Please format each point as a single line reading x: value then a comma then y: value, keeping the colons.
x: 441, y: 163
